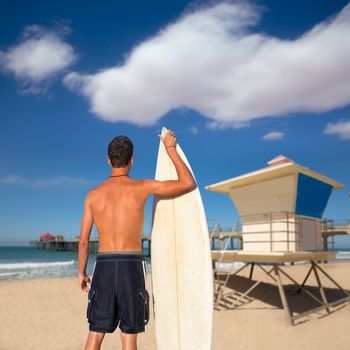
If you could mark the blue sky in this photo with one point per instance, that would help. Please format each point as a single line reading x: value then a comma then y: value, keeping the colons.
x: 55, y: 127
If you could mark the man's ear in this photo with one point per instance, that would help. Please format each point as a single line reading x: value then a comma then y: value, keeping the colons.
x: 109, y: 161
x: 132, y: 160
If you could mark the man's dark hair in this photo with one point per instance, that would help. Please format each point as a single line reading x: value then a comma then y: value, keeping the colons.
x: 120, y: 151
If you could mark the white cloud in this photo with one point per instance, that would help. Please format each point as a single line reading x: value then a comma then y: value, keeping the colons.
x: 39, y: 56
x: 273, y: 136
x: 211, y: 61
x: 14, y: 180
x: 341, y: 129
x: 193, y: 130
x: 56, y: 182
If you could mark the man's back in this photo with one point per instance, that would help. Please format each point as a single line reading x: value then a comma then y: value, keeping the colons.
x: 117, y: 295
x: 117, y: 207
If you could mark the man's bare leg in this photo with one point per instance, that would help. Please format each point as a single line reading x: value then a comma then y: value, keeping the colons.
x: 129, y: 341
x: 94, y: 341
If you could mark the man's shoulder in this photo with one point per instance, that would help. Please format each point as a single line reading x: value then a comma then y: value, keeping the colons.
x: 90, y: 195
x: 143, y: 185
x: 144, y: 182
x: 148, y: 186
x: 95, y: 191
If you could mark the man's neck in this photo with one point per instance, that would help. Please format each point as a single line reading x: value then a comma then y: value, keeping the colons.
x: 120, y: 172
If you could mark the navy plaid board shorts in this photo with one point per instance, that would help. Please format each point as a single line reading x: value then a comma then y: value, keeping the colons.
x: 118, y: 295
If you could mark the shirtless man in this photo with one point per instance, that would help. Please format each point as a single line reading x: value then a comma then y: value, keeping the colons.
x: 117, y: 294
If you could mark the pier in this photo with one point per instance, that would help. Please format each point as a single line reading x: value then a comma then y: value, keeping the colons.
x: 332, y: 228
x: 226, y: 239
x: 73, y: 244
x: 220, y: 238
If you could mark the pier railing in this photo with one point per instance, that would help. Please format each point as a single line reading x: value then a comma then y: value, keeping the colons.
x: 223, y: 237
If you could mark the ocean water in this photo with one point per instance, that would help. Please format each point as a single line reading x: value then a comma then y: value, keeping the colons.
x: 343, y: 254
x: 29, y: 263
x: 17, y: 263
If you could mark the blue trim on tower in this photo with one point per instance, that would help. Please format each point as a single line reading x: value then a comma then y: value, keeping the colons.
x: 312, y: 196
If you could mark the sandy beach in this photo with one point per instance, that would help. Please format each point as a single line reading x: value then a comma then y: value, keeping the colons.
x: 50, y: 314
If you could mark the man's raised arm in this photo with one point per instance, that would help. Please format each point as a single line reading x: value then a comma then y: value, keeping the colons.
x: 185, y: 180
x: 83, y: 252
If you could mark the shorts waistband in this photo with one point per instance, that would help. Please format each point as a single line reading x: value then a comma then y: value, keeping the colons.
x: 119, y: 255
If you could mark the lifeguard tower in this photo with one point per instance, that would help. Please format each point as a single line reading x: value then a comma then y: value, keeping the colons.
x: 280, y: 206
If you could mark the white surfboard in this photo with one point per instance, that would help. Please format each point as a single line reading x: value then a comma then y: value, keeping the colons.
x: 181, y: 266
